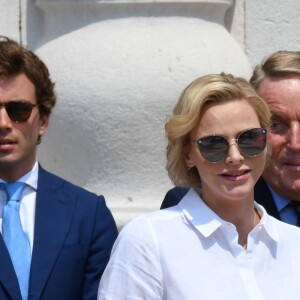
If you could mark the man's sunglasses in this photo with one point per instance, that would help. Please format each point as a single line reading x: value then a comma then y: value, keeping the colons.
x: 214, y: 148
x: 18, y: 111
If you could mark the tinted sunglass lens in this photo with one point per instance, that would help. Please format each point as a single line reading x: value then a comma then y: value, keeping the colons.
x: 213, y: 148
x: 18, y: 111
x: 253, y: 141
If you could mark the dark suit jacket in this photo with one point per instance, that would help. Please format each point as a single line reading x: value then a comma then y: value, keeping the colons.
x: 262, y: 195
x: 73, y: 236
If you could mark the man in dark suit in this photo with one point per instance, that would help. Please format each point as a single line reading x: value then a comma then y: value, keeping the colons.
x: 277, y: 80
x: 69, y: 231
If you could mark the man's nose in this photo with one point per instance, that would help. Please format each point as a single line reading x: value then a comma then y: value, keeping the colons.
x: 5, y: 121
x: 293, y: 137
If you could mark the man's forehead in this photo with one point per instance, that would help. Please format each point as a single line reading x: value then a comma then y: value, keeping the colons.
x: 280, y: 87
x: 281, y: 78
x: 17, y: 86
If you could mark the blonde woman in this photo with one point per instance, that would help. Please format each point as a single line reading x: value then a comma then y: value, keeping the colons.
x: 217, y: 243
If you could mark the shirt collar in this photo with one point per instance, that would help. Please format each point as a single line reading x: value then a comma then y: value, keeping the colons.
x: 199, y: 214
x: 207, y: 221
x: 280, y: 201
x: 267, y: 222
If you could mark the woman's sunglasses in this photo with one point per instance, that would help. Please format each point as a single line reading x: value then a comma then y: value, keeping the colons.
x: 214, y: 148
x: 18, y: 111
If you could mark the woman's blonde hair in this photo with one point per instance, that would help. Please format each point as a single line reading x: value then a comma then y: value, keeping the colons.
x: 202, y: 91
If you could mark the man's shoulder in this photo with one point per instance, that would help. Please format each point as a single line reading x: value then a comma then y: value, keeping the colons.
x: 56, y: 182
x: 262, y: 193
x: 174, y: 196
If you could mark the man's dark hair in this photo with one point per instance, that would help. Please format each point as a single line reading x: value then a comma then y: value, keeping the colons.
x: 15, y: 60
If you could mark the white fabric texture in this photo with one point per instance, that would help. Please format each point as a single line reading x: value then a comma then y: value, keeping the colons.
x: 188, y: 252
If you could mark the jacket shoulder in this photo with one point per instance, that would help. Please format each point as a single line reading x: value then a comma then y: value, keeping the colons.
x: 56, y: 182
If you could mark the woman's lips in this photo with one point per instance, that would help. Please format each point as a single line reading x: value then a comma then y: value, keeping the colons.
x: 235, y: 175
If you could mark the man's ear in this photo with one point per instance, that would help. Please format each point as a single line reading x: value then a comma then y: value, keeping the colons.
x: 44, y: 121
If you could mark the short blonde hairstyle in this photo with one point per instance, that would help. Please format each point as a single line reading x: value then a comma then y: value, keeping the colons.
x: 213, y: 88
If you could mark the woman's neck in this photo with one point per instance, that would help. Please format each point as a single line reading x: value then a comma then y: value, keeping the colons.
x: 241, y: 213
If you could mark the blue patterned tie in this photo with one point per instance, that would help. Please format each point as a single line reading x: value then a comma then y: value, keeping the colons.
x: 15, y: 239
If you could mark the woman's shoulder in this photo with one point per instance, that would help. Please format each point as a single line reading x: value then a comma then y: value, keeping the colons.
x: 157, y: 216
x: 152, y: 224
x: 287, y: 231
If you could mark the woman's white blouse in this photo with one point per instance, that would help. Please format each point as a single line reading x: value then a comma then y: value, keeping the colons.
x: 188, y: 253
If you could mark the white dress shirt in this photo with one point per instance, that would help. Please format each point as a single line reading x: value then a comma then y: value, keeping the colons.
x: 187, y: 252
x: 27, y: 205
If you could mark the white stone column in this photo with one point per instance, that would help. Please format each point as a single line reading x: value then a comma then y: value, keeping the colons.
x: 119, y: 68
x: 10, y: 22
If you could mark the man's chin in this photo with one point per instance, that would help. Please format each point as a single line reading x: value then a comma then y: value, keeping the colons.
x: 8, y: 162
x: 289, y: 188
x: 292, y: 183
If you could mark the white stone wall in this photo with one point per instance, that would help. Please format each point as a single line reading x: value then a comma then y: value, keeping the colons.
x: 271, y: 25
x: 10, y: 18
x: 260, y: 27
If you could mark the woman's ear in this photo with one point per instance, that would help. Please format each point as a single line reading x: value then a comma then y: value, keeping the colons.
x: 189, y: 160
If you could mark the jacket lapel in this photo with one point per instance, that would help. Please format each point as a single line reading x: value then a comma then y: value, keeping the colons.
x: 52, y: 220
x: 263, y: 196
x: 8, y: 277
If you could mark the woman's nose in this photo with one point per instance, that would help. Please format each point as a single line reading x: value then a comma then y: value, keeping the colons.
x: 234, y: 155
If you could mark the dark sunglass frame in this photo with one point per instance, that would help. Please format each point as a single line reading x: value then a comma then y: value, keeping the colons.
x: 218, y: 151
x: 18, y: 111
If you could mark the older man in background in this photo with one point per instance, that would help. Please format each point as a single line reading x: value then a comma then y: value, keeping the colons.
x: 277, y: 80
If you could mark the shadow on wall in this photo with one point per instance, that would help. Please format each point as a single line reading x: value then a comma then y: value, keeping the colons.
x: 83, y: 14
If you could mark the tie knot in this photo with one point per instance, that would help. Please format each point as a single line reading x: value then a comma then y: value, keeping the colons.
x: 14, y: 190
